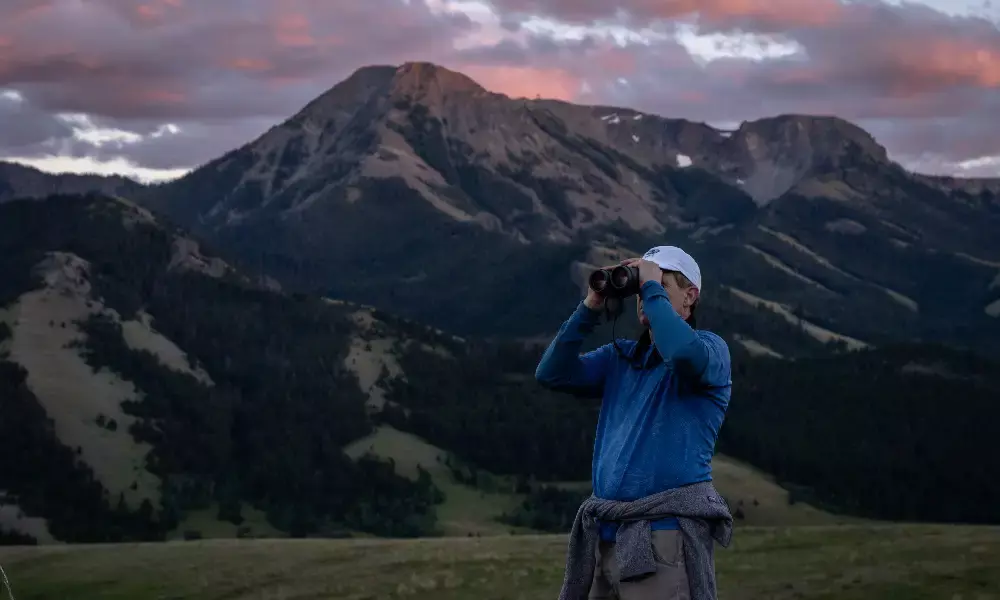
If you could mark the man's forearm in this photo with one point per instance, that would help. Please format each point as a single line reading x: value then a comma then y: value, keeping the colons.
x: 674, y: 339
x: 561, y: 363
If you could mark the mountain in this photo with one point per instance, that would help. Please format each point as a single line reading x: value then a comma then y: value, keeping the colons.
x: 148, y: 385
x: 18, y: 180
x: 415, y: 190
x: 152, y: 390
x: 313, y: 334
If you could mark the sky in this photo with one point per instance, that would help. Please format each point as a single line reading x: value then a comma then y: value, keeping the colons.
x: 154, y: 88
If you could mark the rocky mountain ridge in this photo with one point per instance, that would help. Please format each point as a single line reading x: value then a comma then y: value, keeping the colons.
x: 446, y: 136
x: 18, y: 180
x: 413, y: 189
x: 409, y: 171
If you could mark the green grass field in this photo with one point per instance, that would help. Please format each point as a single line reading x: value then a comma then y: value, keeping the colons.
x: 470, y: 511
x: 844, y: 562
x: 465, y: 510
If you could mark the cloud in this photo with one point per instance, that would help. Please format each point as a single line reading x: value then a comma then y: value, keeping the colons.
x: 181, y: 59
x: 88, y: 165
x: 25, y: 126
x: 222, y: 72
x: 903, y: 52
x: 772, y: 15
x: 925, y: 82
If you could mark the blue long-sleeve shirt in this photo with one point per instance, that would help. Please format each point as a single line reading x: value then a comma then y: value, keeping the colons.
x: 658, y: 425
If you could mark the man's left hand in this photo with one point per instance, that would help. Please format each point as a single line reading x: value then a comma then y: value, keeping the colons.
x: 648, y: 270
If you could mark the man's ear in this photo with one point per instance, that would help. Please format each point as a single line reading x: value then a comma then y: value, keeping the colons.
x: 691, y: 295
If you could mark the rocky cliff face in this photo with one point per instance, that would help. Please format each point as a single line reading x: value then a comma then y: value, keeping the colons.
x: 414, y: 189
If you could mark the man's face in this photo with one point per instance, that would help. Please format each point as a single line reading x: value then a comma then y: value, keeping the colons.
x: 680, y: 298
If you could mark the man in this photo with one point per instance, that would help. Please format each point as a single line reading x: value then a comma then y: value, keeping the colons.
x: 647, y: 532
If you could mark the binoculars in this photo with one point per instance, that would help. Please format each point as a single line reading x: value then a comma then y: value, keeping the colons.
x: 616, y: 282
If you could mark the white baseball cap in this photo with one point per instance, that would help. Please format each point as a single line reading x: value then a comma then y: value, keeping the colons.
x: 672, y: 258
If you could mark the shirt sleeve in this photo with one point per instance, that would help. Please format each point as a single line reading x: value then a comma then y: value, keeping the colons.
x: 698, y: 355
x: 563, y: 368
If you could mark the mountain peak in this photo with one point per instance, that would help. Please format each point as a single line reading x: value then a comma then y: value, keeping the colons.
x: 823, y: 134
x: 423, y: 79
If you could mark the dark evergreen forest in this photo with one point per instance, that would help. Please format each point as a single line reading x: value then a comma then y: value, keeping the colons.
x: 894, y: 433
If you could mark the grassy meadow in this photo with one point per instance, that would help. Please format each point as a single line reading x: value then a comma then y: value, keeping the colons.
x: 843, y: 562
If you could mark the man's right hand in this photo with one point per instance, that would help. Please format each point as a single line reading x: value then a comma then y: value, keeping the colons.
x: 593, y: 301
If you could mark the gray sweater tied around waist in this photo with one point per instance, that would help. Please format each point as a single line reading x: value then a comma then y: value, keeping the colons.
x: 704, y: 518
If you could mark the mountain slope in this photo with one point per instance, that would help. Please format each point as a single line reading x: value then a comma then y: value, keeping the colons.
x: 152, y: 387
x: 18, y: 181
x: 150, y: 390
x: 415, y: 190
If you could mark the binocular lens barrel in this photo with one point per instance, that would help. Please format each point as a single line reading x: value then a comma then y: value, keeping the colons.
x: 620, y: 281
x: 620, y: 277
x: 599, y: 280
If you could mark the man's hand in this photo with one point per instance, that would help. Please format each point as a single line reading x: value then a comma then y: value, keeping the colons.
x: 648, y: 270
x: 593, y: 301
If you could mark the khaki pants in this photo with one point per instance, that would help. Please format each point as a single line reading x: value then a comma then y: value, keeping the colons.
x: 670, y: 581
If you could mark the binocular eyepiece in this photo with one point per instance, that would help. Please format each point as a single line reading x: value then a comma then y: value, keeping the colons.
x: 617, y: 282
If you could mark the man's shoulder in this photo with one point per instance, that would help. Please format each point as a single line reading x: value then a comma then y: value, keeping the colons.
x: 713, y: 339
x: 718, y: 372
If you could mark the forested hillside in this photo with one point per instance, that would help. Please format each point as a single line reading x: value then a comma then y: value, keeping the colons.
x: 144, y: 381
x: 265, y: 431
x: 887, y: 433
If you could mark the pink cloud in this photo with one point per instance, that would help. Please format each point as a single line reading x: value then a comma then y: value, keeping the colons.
x: 293, y: 30
x: 936, y: 64
x: 209, y: 55
x: 772, y: 14
x: 156, y: 11
x: 526, y: 82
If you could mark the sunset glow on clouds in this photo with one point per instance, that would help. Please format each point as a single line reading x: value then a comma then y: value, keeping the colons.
x: 154, y: 87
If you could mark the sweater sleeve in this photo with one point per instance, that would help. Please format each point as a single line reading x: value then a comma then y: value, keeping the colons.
x: 563, y: 368
x: 674, y: 339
